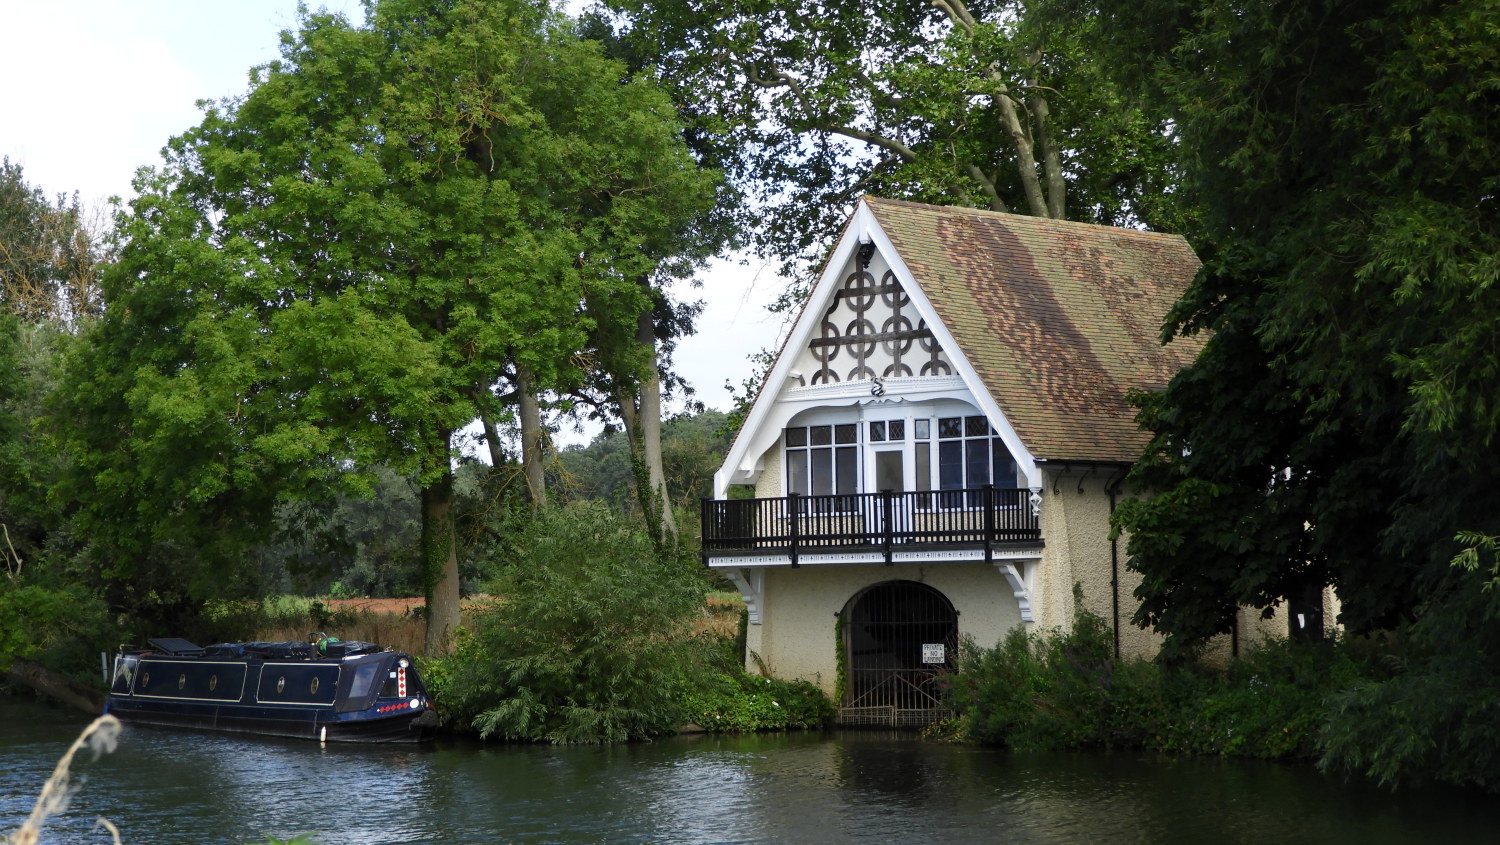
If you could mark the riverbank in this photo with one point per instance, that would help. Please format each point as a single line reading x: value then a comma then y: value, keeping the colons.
x: 1360, y: 709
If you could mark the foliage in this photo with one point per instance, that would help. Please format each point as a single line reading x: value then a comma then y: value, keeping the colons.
x: 959, y: 103
x: 693, y: 446
x: 239, y: 620
x: 591, y: 642
x: 1338, y: 427
x: 49, y: 611
x: 1477, y: 550
x: 349, y: 545
x: 333, y: 271
x: 31, y: 517
x: 62, y: 626
x: 734, y: 701
x: 1437, y: 716
x: 1039, y: 691
x: 50, y: 253
x: 1063, y: 690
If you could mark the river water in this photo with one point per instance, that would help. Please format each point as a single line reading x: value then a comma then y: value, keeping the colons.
x: 168, y: 787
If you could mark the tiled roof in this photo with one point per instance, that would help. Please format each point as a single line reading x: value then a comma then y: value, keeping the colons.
x: 1059, y: 319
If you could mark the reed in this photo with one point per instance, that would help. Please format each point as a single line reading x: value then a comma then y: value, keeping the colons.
x: 101, y: 736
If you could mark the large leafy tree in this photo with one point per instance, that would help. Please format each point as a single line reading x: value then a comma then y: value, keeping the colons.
x: 333, y: 271
x: 1339, y: 426
x: 49, y: 260
x: 809, y: 104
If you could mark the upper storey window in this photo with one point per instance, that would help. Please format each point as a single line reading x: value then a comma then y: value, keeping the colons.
x: 971, y: 455
x: 822, y: 460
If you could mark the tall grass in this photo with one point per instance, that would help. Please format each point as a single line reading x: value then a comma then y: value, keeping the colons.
x: 100, y: 736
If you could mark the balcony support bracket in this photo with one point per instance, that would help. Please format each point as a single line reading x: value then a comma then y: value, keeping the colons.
x: 1014, y: 574
x: 751, y: 582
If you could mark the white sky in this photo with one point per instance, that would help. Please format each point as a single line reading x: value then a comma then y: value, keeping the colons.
x: 92, y: 90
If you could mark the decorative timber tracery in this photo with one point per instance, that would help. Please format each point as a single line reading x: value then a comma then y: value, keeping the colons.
x: 862, y: 348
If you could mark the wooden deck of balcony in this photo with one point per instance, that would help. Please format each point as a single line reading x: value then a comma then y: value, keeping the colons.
x: 795, y: 525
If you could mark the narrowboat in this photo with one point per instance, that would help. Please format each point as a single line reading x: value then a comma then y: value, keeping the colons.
x: 324, y: 689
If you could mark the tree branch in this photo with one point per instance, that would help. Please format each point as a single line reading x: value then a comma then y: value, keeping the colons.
x: 956, y: 12
x: 988, y: 184
x: 1052, y: 171
x: 1010, y: 121
x: 781, y: 79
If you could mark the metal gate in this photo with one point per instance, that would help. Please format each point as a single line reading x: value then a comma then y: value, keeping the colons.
x: 899, y: 638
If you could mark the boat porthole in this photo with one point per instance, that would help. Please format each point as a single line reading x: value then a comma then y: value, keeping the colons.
x: 314, y: 690
x: 281, y: 683
x: 181, y: 681
x: 145, y: 679
x: 213, y: 682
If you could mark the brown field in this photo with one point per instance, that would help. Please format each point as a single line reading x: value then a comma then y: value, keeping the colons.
x: 392, y: 623
x: 397, y: 606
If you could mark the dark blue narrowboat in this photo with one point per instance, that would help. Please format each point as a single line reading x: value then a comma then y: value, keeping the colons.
x: 324, y: 689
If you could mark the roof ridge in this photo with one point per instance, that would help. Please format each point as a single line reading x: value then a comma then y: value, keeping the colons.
x: 1012, y: 217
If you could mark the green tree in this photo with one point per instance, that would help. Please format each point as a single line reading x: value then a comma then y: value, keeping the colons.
x: 592, y: 640
x: 50, y: 254
x: 48, y: 264
x: 808, y: 105
x: 1338, y: 427
x: 693, y: 447
x: 333, y: 271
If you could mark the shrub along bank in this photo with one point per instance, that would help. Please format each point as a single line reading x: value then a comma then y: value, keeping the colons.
x: 597, y: 640
x: 1391, y: 712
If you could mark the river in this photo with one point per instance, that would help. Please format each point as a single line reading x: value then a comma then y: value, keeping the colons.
x: 166, y: 787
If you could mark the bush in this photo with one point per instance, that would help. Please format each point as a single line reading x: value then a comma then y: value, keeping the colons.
x: 63, y: 627
x: 1056, y: 690
x: 735, y: 701
x: 1064, y: 690
x: 1436, y: 715
x: 591, y: 641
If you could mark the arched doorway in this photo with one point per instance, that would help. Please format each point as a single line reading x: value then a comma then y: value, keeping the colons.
x: 899, y: 637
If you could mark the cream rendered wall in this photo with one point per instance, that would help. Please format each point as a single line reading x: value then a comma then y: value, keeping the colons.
x: 1075, y: 528
x: 795, y: 639
x: 768, y: 485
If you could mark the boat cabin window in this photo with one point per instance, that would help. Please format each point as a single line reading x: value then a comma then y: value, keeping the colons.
x: 125, y: 666
x: 364, y: 679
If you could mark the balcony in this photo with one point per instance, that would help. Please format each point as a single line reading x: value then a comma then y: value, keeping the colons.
x: 978, y: 523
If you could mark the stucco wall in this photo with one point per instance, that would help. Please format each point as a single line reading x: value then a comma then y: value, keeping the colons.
x: 768, y: 485
x: 1075, y: 527
x: 795, y: 639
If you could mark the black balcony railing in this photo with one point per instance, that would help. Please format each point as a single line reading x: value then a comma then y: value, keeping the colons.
x: 795, y: 525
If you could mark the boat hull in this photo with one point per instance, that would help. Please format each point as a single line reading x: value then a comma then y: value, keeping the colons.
x: 403, y: 727
x: 267, y: 689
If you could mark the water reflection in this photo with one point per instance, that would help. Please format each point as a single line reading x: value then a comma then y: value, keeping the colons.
x: 166, y: 787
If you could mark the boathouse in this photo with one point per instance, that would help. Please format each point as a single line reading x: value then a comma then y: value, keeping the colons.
x: 938, y: 445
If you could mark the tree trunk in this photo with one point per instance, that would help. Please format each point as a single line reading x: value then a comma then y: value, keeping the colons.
x: 1010, y: 119
x: 642, y: 416
x: 60, y: 687
x: 531, y: 436
x: 440, y: 557
x: 492, y: 440
x: 1042, y: 201
x: 1052, y: 171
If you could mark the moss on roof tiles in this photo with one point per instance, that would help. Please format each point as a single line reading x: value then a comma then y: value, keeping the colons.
x: 1060, y: 320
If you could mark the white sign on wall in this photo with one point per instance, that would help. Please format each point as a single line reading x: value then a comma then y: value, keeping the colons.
x: 934, y: 653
